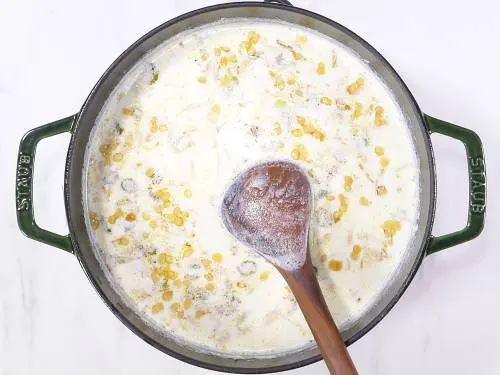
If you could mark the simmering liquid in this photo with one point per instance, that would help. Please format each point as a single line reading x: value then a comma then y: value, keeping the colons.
x: 199, y: 110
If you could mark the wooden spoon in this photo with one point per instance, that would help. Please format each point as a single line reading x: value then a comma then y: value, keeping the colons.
x: 268, y: 208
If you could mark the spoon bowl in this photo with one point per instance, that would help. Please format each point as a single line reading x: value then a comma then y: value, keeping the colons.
x: 268, y: 208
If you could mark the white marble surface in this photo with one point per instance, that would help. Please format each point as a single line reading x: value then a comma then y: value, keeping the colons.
x: 53, y: 51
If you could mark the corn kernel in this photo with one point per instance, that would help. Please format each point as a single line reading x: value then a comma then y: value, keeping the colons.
x: 199, y: 314
x: 217, y: 257
x: 157, y: 308
x: 118, y: 157
x: 356, y: 250
x: 94, y: 221
x: 211, y: 287
x: 249, y: 44
x: 277, y: 129
x: 379, y: 151
x: 207, y: 263
x: 218, y: 51
x: 318, y: 135
x: 301, y: 39
x: 155, y: 276
x: 364, y: 201
x: 106, y: 149
x: 150, y: 172
x: 357, y: 85
x: 253, y: 37
x: 153, y: 124
x: 301, y: 120
x: 124, y: 241
x: 228, y: 80
x: 297, y: 132
x: 209, y: 276
x: 167, y: 295
x: 335, y: 265
x: 321, y: 70
x: 179, y: 221
x: 224, y: 61
x: 299, y: 152
x: 358, y: 110
x: 131, y: 217
x: 188, y: 193
x: 384, y: 162
x: 391, y: 227
x: 127, y: 111
x: 337, y: 215
x: 326, y: 100
x: 113, y: 218
x: 348, y: 183
x: 164, y: 258
x: 264, y: 276
x: 296, y: 55
x: 187, y: 304
x: 216, y: 108
x: 308, y: 128
x: 187, y: 250
x: 177, y: 283
x: 379, y: 116
x: 175, y: 307
x: 170, y: 274
x: 202, y: 80
x: 279, y: 83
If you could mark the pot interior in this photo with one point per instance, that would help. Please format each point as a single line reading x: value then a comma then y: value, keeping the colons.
x: 75, y: 180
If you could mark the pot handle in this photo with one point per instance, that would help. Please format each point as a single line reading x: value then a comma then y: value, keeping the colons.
x: 282, y: 2
x: 24, y: 184
x: 477, y: 184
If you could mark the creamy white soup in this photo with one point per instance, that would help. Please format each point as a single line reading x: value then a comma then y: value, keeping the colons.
x: 199, y: 110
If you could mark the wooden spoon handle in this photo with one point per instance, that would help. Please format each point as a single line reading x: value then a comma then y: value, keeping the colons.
x: 306, y: 289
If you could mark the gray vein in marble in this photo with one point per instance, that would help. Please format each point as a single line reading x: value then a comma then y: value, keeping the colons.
x: 5, y: 330
x: 28, y: 301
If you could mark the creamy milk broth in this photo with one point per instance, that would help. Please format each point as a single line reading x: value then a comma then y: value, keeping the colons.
x: 199, y: 110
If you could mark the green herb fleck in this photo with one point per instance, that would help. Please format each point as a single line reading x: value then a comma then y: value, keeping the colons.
x: 119, y: 129
x: 155, y: 78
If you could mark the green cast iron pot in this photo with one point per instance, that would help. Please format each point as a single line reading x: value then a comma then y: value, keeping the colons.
x: 80, y: 126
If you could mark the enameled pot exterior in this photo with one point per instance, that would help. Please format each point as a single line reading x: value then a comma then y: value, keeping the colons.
x: 81, y: 124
